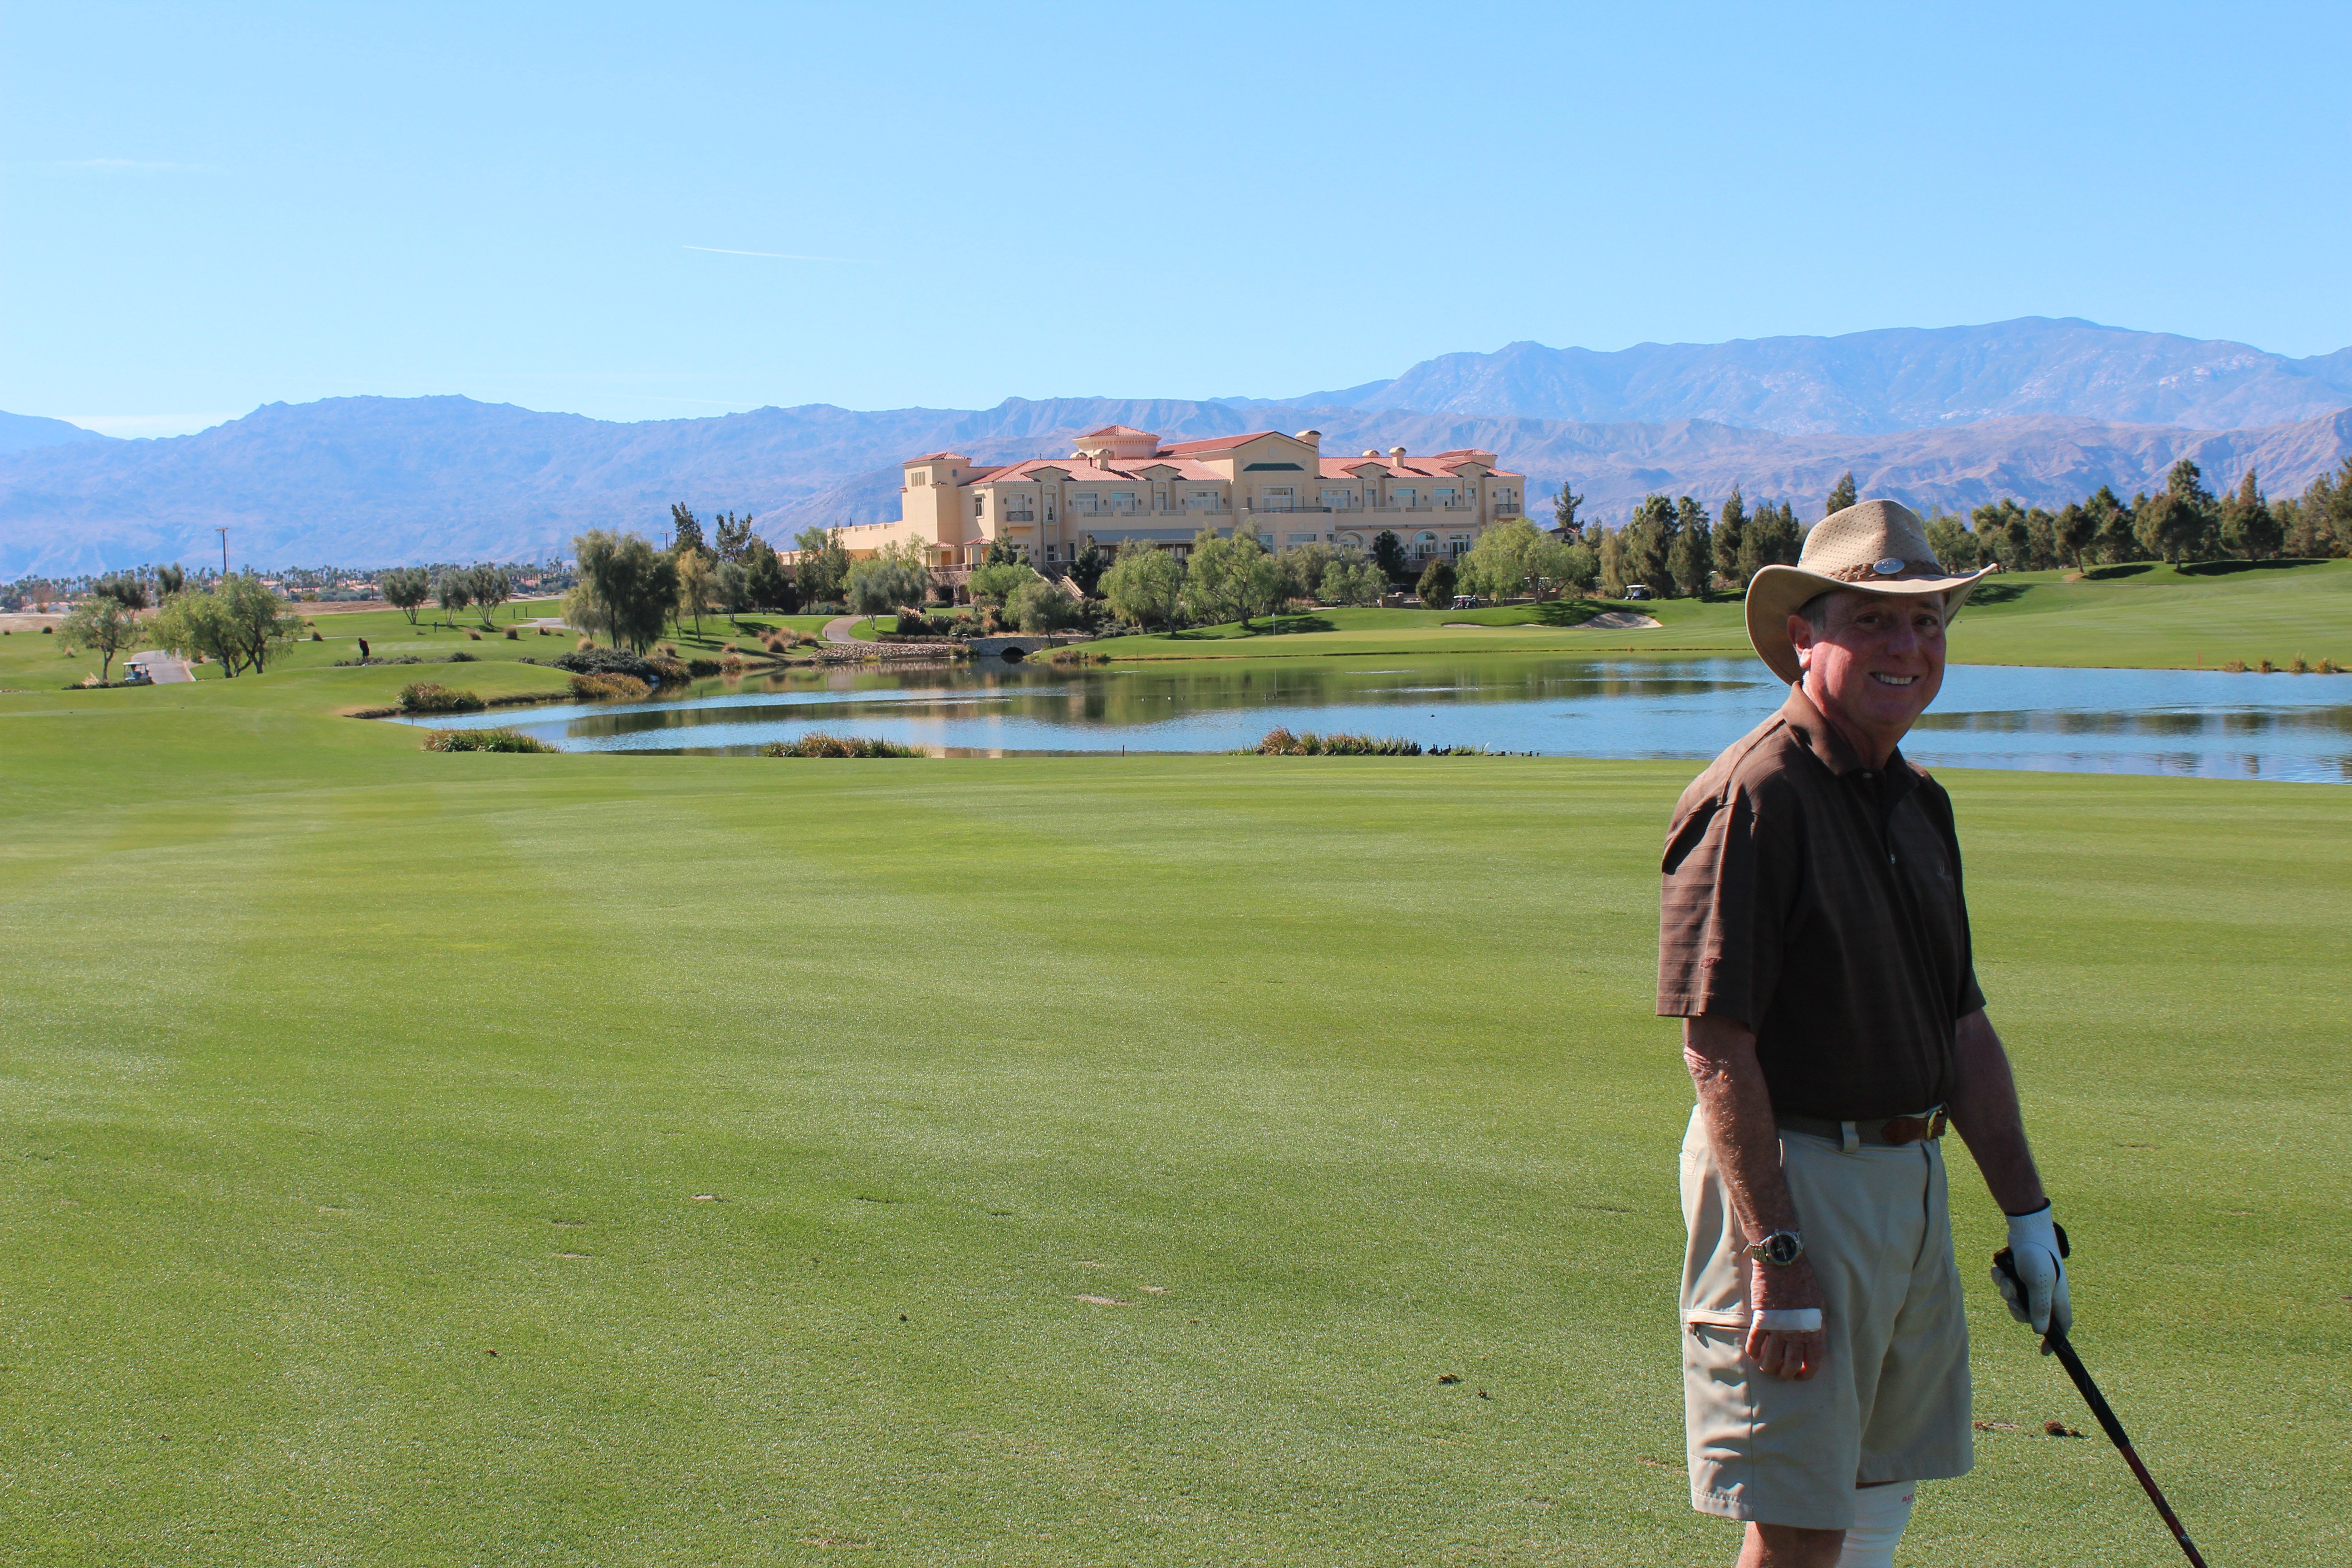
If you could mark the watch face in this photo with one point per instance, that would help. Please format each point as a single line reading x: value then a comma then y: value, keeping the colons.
x: 1781, y: 1247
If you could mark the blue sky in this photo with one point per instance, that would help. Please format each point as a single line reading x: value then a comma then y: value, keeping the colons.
x: 659, y: 211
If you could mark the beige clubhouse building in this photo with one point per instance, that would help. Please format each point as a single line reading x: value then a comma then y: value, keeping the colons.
x: 1123, y: 485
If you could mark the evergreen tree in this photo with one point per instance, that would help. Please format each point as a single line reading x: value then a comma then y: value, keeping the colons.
x: 1436, y: 584
x: 2114, y: 536
x: 1648, y: 542
x: 2249, y: 527
x: 2074, y: 530
x: 1690, y: 563
x: 685, y: 532
x: 1563, y: 511
x: 2181, y: 524
x: 733, y: 535
x: 1842, y: 495
x: 1770, y: 539
x: 1730, y: 527
x: 1388, y: 554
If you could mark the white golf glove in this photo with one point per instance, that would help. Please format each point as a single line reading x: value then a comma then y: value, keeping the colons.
x: 2038, y: 1294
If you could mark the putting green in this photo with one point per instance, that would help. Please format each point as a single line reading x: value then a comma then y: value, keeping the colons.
x: 1043, y: 1161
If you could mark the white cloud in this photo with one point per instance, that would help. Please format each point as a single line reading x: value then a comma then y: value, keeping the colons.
x: 138, y: 425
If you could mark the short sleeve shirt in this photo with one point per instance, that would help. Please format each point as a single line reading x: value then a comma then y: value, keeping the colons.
x: 1819, y: 903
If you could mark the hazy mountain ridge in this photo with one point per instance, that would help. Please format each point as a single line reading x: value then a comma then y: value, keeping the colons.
x: 383, y: 481
x: 1902, y: 378
x: 1947, y: 417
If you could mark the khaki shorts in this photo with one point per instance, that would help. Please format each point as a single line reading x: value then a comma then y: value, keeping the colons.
x: 1890, y: 1400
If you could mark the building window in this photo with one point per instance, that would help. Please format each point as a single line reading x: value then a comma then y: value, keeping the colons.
x: 1404, y: 497
x: 977, y: 509
x: 1457, y: 545
x: 1424, y: 544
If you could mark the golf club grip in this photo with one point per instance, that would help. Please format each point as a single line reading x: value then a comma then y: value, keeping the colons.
x: 2065, y: 1351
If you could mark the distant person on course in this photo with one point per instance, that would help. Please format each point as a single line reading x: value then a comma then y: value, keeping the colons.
x: 1814, y: 938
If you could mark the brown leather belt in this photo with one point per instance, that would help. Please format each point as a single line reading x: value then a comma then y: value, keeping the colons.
x: 1894, y: 1129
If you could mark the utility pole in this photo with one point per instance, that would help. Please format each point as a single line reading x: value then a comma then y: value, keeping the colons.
x: 224, y: 533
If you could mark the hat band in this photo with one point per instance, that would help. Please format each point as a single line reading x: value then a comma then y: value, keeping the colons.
x: 1870, y: 573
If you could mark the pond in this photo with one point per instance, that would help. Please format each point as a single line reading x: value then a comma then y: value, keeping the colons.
x: 2195, y: 724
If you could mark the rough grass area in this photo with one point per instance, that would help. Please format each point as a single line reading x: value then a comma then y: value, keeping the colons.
x: 640, y: 1160
x: 483, y: 740
x: 817, y: 744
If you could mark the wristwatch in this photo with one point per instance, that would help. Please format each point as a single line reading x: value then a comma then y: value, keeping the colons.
x: 1780, y: 1248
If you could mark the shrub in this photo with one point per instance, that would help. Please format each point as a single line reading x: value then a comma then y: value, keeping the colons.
x: 667, y: 669
x: 731, y: 665
x: 316, y: 635
x: 729, y: 647
x: 514, y: 636
x: 546, y: 632
x: 2234, y: 666
x: 702, y: 668
x: 585, y: 645
x: 462, y: 656
x: 600, y: 687
x: 1280, y: 743
x: 2329, y: 667
x: 817, y: 743
x: 476, y: 636
x: 482, y: 741
x: 1076, y: 655
x: 2267, y: 668
x: 668, y: 650
x: 424, y: 697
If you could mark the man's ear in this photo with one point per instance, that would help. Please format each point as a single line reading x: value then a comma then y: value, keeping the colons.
x: 1800, y: 637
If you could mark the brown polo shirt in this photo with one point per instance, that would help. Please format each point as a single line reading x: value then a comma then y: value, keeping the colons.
x: 1819, y: 903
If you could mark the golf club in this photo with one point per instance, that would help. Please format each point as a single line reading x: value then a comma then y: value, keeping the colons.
x: 2056, y: 1343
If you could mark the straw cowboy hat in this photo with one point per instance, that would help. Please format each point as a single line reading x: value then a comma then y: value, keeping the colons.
x: 1878, y: 546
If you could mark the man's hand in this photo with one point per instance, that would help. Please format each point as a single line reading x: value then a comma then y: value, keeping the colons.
x: 1782, y: 1287
x: 2034, y: 1282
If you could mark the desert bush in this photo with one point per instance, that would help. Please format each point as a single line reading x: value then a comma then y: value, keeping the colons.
x: 731, y: 665
x: 666, y: 670
x: 1076, y: 655
x: 2234, y: 666
x: 725, y: 648
x: 462, y: 656
x: 2329, y: 667
x: 513, y: 635
x: 426, y: 697
x: 2267, y: 668
x: 668, y: 650
x: 482, y: 741
x: 1280, y: 743
x: 806, y: 640
x: 602, y: 687
x: 701, y: 668
x: 316, y: 635
x: 817, y: 743
x: 585, y: 645
x: 475, y: 636
x: 2297, y: 666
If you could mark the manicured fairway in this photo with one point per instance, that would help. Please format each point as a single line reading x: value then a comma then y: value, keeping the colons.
x: 1043, y: 1161
x: 2143, y: 616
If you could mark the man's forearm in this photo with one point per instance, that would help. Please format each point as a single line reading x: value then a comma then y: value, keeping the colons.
x: 1984, y: 1108
x: 1737, y: 1111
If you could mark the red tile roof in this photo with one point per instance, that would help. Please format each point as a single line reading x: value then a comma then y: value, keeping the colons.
x: 1217, y: 444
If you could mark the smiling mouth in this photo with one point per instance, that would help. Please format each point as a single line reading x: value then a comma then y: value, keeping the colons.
x: 1893, y: 680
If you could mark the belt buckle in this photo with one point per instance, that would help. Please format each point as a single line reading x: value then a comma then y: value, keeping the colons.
x: 1902, y: 1129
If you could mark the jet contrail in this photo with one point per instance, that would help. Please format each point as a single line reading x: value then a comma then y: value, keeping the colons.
x: 769, y: 255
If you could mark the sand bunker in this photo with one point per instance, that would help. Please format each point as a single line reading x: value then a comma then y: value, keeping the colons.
x: 1620, y: 621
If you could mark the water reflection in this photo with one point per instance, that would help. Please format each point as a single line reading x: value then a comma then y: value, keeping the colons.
x: 2186, y: 722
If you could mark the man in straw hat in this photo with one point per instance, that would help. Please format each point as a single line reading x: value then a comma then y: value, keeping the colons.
x: 1814, y: 938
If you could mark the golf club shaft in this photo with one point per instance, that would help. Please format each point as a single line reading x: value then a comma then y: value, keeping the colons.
x: 2115, y: 1431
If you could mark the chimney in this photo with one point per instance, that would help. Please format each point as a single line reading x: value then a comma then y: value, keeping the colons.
x: 1396, y: 456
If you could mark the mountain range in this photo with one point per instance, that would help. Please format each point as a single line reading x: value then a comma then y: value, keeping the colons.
x: 2041, y: 410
